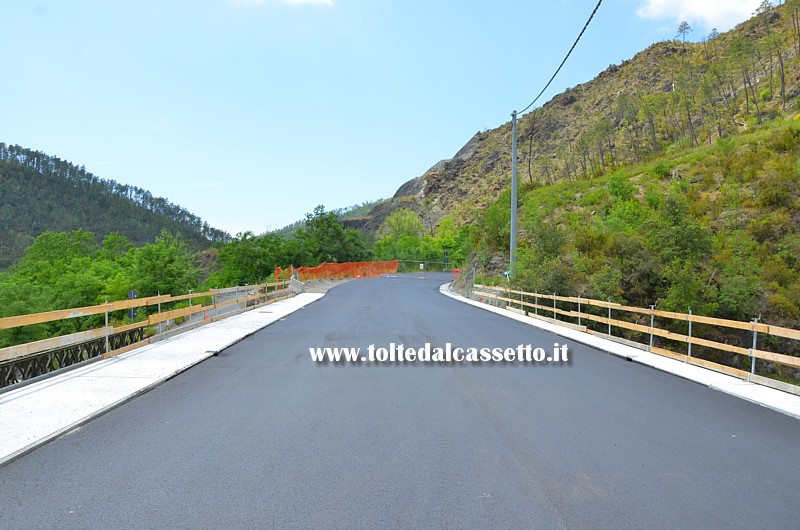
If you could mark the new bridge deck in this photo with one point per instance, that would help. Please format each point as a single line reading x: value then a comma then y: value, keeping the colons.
x: 261, y: 436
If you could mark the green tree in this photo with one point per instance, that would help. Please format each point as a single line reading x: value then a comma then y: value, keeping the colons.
x: 675, y: 234
x: 457, y: 241
x: 687, y: 288
x: 115, y: 247
x: 765, y: 7
x: 19, y: 297
x: 323, y: 238
x: 605, y: 284
x: 683, y: 30
x: 495, y: 224
x: 402, y: 222
x: 166, y: 266
x: 241, y: 260
x: 52, y: 254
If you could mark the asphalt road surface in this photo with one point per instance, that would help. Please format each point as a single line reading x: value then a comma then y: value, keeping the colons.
x: 262, y: 437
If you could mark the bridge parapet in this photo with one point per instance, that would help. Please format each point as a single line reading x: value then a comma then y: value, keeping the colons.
x: 112, y: 331
x: 726, y: 346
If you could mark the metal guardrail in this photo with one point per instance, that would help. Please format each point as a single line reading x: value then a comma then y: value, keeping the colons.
x: 29, y: 360
x: 576, y: 312
x: 25, y: 368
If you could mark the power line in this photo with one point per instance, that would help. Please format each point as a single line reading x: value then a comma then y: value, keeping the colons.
x: 565, y: 58
x: 513, y: 242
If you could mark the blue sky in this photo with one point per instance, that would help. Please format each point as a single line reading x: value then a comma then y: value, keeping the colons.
x: 249, y: 113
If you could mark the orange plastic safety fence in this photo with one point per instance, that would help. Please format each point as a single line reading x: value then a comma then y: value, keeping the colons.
x: 359, y: 269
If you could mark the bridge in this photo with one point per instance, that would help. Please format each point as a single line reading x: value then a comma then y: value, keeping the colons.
x: 234, y: 425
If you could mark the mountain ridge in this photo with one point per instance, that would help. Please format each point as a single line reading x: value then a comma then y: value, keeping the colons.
x: 39, y: 193
x: 584, y: 129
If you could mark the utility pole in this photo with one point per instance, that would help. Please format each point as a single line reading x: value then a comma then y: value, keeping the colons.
x: 513, y: 245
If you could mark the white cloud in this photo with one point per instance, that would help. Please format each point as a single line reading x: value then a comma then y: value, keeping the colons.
x: 720, y: 14
x: 292, y: 2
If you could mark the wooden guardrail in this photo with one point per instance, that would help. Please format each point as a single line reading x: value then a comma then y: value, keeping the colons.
x: 264, y: 293
x: 577, y: 311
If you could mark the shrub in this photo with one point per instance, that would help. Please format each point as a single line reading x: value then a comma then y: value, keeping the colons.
x: 781, y: 306
x: 548, y: 275
x: 771, y: 226
x: 777, y: 189
x: 606, y: 284
x: 787, y: 140
x: 725, y: 145
x: 661, y: 170
x: 688, y: 287
x: 620, y: 187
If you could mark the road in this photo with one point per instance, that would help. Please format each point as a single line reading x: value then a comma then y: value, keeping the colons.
x: 262, y: 437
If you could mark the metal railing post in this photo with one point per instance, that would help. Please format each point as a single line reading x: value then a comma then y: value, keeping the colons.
x: 536, y: 304
x: 555, y: 315
x: 189, y: 316
x: 107, y: 344
x: 690, y: 333
x: 753, y: 349
x: 652, y: 321
x: 159, y: 312
x: 579, y: 311
x: 609, y: 317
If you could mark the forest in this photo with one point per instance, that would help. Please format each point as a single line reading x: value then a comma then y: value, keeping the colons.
x: 40, y: 193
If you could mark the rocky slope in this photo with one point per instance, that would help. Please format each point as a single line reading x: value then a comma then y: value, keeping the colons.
x: 666, y: 97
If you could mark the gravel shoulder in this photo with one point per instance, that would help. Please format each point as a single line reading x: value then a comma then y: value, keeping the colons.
x: 322, y: 286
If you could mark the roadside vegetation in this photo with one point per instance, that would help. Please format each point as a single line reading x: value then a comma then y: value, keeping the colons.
x: 714, y: 229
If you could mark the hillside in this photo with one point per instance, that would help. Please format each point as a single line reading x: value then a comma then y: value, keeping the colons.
x: 669, y: 96
x: 40, y: 193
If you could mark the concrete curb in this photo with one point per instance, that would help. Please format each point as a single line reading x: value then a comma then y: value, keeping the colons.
x: 36, y: 414
x: 770, y: 398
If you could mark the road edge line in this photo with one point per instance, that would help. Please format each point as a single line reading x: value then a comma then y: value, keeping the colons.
x: 722, y: 383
